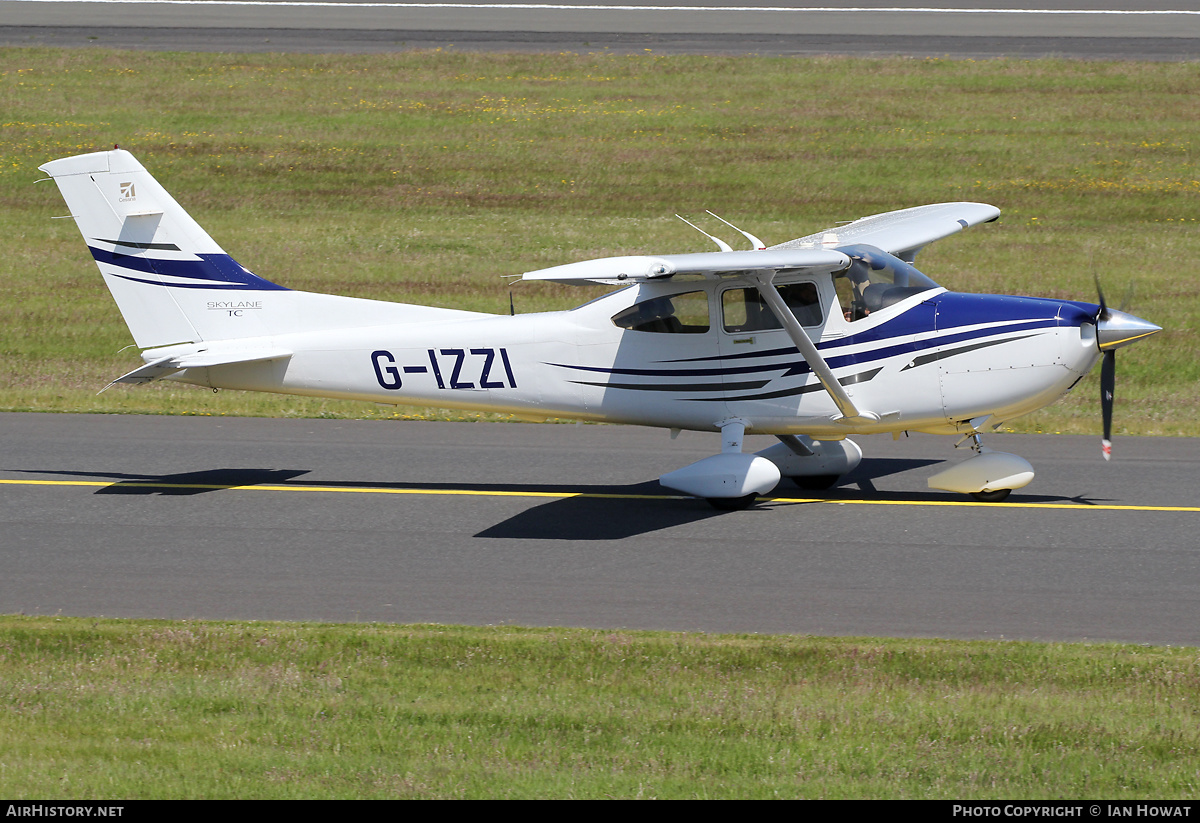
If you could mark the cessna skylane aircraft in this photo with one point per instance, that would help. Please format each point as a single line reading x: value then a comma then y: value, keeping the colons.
x: 811, y: 340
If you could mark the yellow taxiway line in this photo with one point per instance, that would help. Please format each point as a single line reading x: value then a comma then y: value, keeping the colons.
x: 125, y: 484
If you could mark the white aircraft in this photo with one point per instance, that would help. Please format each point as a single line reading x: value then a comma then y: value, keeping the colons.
x: 810, y: 341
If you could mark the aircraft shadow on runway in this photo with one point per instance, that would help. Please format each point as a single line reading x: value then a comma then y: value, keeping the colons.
x: 186, y: 483
x: 594, y: 515
x: 201, y: 482
x: 600, y: 518
x: 874, y: 468
x: 600, y: 512
x: 860, y: 485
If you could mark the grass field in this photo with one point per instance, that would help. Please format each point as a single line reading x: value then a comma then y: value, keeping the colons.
x: 97, y: 709
x: 426, y: 176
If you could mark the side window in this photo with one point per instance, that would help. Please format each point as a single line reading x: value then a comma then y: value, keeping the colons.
x: 802, y: 299
x: 685, y: 313
x: 744, y: 309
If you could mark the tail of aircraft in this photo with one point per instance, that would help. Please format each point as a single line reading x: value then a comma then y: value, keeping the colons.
x: 161, y: 267
x: 172, y: 282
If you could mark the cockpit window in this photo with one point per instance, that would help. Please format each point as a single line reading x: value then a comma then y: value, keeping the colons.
x: 875, y: 280
x: 685, y: 313
x: 744, y: 309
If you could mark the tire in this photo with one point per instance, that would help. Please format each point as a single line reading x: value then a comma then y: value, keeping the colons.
x: 817, y: 482
x: 732, y: 504
x: 993, y: 496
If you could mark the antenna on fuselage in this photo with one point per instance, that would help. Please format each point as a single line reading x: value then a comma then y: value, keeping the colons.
x: 721, y: 244
x: 755, y: 243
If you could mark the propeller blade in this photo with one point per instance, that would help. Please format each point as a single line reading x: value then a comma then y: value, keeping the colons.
x: 1127, y: 300
x: 1102, y: 314
x: 1108, y: 379
x: 1114, y: 328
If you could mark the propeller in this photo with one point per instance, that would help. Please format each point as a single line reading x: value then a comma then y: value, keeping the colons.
x: 1108, y: 379
x: 1114, y: 328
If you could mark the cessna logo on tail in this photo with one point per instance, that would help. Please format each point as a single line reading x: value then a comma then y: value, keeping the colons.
x: 127, y: 192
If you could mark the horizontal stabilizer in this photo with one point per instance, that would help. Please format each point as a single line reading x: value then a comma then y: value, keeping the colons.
x: 175, y: 363
x: 154, y: 370
x: 638, y: 268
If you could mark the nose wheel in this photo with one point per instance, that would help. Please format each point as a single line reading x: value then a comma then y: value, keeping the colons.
x: 988, y: 476
x: 732, y: 504
x: 993, y: 496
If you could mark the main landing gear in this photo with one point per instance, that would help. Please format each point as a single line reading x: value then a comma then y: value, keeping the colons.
x: 732, y: 480
x: 729, y: 480
x: 733, y: 504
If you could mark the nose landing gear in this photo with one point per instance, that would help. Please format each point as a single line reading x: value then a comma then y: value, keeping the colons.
x: 988, y: 476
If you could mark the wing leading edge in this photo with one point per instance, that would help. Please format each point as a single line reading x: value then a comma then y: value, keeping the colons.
x: 902, y: 233
x: 638, y: 268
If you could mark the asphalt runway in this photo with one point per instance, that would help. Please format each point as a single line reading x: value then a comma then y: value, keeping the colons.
x: 1160, y: 30
x: 565, y: 525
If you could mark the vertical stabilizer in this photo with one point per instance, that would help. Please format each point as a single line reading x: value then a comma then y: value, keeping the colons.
x: 171, y: 281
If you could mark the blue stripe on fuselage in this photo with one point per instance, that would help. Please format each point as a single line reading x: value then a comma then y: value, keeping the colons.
x: 943, y: 314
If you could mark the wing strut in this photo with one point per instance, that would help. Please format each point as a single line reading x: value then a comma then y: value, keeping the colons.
x: 850, y: 412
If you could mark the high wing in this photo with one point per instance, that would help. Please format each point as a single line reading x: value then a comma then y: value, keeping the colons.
x: 902, y: 233
x: 639, y: 268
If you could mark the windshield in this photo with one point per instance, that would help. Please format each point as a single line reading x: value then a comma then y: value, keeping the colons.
x: 875, y: 280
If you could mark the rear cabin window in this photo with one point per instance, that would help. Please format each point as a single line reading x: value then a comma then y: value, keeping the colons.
x: 685, y: 313
x: 744, y: 309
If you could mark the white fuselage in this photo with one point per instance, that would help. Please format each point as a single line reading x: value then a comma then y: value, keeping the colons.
x: 927, y: 363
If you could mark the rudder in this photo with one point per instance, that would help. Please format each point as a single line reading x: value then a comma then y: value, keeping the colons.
x: 159, y: 264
